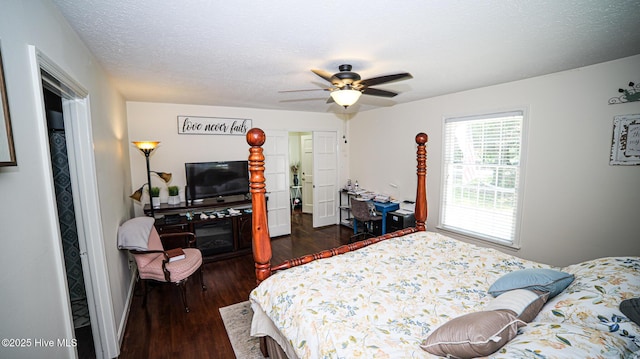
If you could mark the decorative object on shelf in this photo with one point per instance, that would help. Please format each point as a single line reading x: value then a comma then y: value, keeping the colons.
x: 294, y: 169
x: 348, y: 187
x: 7, y: 150
x: 194, y: 125
x: 625, y: 145
x: 146, y: 147
x: 174, y: 195
x: 155, y: 197
x: 631, y: 94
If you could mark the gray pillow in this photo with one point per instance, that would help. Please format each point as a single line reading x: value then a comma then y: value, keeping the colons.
x: 473, y: 335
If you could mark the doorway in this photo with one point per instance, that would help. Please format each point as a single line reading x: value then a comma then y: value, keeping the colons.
x: 84, y: 196
x: 68, y: 227
x: 315, y: 153
x: 301, y: 164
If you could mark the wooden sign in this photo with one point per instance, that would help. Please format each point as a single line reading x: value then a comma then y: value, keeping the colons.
x: 193, y: 125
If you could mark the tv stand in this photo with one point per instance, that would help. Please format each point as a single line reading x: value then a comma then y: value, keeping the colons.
x: 217, y: 238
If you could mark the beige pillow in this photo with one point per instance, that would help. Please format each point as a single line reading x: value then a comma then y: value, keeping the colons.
x: 473, y: 335
x: 525, y: 303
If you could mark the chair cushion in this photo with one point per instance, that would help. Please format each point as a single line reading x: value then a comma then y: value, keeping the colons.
x: 154, y: 244
x: 179, y: 270
x: 154, y: 241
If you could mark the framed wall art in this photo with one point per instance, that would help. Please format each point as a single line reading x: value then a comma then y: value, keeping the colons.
x: 7, y: 151
x: 625, y: 145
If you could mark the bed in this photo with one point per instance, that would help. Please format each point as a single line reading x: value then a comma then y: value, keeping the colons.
x: 420, y: 294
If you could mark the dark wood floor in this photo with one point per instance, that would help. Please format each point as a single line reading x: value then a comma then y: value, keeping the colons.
x: 164, y: 330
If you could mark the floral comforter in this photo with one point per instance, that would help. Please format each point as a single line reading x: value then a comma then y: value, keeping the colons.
x: 383, y: 300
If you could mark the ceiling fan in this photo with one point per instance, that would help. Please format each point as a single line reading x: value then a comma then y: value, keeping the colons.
x: 348, y: 85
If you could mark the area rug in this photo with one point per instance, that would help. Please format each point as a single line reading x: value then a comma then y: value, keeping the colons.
x: 237, y: 322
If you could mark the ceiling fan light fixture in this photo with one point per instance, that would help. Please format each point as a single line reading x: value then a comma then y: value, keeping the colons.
x: 345, y: 97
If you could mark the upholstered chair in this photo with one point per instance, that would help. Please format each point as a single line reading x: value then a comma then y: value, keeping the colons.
x: 153, y: 262
x: 363, y: 214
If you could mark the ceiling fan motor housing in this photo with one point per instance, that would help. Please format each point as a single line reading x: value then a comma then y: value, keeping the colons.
x: 345, y: 76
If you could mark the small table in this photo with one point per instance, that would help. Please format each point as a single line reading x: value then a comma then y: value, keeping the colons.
x: 296, y: 192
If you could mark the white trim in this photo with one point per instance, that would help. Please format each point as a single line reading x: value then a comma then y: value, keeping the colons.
x: 77, y: 115
x: 49, y: 201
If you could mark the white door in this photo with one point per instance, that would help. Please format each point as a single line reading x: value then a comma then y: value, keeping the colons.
x: 325, y: 174
x: 276, y: 159
x: 306, y: 171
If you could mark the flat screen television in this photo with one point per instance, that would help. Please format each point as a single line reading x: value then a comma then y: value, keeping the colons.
x: 216, y: 179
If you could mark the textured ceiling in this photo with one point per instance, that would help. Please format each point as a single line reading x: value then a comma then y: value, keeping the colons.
x: 241, y: 53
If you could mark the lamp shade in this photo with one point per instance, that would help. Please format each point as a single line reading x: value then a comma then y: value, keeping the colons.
x: 166, y: 177
x: 346, y: 97
x: 137, y: 195
x: 146, y: 145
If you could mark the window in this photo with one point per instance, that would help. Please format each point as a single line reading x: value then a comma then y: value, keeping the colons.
x: 483, y: 167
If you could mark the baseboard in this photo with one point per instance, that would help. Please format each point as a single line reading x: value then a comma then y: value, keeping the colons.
x: 127, y: 306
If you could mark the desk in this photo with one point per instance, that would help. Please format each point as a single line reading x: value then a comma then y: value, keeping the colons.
x: 383, y: 208
x: 296, y: 193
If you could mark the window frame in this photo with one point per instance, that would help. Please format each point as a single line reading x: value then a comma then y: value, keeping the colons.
x: 515, y: 242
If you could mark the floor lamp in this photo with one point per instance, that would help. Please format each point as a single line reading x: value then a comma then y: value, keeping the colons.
x: 147, y: 147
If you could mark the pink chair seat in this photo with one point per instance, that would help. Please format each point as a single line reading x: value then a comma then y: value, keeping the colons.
x: 179, y: 269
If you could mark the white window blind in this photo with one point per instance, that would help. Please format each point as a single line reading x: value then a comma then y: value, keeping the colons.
x: 482, y: 168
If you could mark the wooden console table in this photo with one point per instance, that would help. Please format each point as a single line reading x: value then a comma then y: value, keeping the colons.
x: 216, y: 237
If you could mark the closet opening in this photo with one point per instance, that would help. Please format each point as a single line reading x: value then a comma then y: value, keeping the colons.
x: 67, y: 224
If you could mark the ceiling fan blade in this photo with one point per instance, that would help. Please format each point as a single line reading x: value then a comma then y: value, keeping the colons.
x: 284, y: 91
x: 325, y: 75
x: 378, y: 92
x: 330, y: 100
x: 385, y: 79
x: 336, y: 81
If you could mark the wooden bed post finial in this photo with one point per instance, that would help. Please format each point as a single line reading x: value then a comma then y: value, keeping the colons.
x: 260, y: 229
x: 421, y: 190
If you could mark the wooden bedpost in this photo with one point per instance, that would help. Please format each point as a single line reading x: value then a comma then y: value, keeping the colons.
x: 260, y: 229
x: 421, y: 190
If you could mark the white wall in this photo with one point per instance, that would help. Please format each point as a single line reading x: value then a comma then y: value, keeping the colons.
x: 159, y: 122
x: 34, y: 295
x: 576, y: 206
